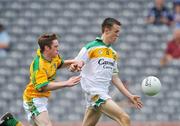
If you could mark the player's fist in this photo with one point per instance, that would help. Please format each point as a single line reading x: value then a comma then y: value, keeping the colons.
x: 76, y: 66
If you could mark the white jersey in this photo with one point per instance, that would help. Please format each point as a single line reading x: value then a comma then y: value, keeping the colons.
x: 100, y: 64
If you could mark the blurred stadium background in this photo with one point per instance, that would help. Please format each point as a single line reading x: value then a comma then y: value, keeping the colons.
x: 78, y: 21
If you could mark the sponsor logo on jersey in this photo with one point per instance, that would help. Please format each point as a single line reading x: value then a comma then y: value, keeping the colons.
x: 106, y: 64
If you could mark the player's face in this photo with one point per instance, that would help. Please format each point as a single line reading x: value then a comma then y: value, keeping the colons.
x: 113, y: 33
x: 53, y: 51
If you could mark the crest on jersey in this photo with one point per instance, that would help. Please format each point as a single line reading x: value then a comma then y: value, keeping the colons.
x: 100, y: 52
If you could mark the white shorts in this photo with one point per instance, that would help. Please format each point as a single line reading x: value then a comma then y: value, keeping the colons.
x: 96, y: 99
x: 35, y: 107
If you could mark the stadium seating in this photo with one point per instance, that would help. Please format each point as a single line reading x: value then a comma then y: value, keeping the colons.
x: 78, y: 22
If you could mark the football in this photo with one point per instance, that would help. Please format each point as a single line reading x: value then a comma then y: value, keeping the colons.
x: 151, y: 85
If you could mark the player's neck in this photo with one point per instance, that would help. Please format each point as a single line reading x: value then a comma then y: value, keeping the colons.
x: 46, y: 56
x: 105, y: 40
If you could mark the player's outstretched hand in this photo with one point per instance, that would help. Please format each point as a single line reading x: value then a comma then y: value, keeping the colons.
x: 136, y: 100
x: 73, y: 81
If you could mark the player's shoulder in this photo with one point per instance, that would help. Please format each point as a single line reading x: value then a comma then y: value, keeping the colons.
x: 35, y: 64
x: 94, y: 43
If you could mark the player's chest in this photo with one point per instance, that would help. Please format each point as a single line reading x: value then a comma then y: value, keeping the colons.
x: 102, y: 52
x: 50, y: 69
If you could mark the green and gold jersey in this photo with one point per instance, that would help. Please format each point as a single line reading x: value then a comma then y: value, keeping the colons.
x: 41, y: 73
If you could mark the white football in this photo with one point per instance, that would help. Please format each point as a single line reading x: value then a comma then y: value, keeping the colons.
x: 151, y: 85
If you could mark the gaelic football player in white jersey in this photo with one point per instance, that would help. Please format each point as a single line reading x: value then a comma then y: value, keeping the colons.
x: 100, y: 68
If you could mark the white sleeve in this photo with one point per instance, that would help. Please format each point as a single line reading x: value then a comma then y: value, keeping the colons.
x: 83, y: 55
x: 115, y: 70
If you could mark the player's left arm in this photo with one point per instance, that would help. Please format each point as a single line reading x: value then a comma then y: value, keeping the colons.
x: 133, y: 98
x: 67, y: 63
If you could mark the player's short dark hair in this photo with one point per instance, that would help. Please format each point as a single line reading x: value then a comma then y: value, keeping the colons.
x: 109, y: 22
x: 46, y: 40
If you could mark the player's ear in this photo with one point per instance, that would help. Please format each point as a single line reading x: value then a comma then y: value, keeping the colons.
x: 46, y: 47
x: 107, y: 30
